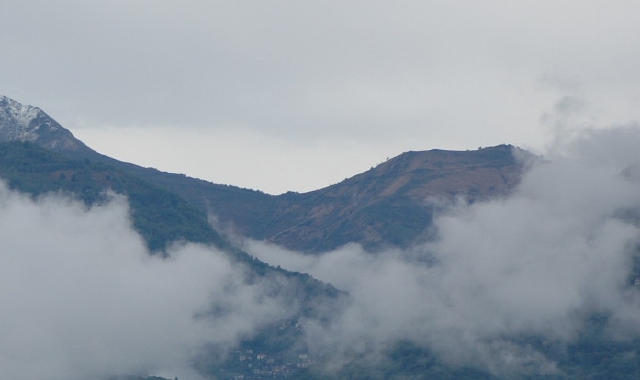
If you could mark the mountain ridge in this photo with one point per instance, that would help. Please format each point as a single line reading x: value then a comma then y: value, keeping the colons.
x: 388, y: 205
x: 393, y: 203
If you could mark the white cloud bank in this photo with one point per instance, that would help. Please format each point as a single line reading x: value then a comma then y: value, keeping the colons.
x: 534, y: 263
x: 82, y: 298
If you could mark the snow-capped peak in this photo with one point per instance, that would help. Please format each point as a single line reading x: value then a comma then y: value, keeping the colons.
x: 27, y: 123
x: 16, y: 120
x: 18, y: 111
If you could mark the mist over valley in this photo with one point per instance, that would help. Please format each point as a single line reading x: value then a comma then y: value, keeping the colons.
x: 492, y: 263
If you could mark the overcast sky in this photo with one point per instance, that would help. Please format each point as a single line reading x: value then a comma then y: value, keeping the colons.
x: 292, y: 95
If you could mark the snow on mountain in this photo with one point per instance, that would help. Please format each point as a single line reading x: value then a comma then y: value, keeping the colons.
x: 16, y: 120
x: 27, y: 123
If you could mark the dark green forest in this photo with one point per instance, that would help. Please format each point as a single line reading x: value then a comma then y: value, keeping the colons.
x: 160, y: 216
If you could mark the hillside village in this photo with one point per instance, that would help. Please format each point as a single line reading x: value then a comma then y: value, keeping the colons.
x: 252, y: 364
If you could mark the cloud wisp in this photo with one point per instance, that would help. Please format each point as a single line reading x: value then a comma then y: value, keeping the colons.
x: 82, y: 298
x: 533, y: 264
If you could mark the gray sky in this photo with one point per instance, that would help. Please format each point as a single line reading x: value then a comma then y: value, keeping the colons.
x: 290, y: 95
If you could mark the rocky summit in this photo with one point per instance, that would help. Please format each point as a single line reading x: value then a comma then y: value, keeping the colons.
x: 19, y: 122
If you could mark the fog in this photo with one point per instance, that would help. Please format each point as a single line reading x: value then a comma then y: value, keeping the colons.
x: 535, y: 263
x: 82, y: 298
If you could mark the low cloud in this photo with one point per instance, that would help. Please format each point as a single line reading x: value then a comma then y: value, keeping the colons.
x: 82, y: 298
x: 533, y: 264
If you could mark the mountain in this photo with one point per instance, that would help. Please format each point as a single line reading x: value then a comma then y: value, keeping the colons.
x: 37, y: 156
x: 389, y: 205
x: 58, y: 163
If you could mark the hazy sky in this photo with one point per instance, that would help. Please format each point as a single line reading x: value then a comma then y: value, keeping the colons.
x: 291, y: 95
